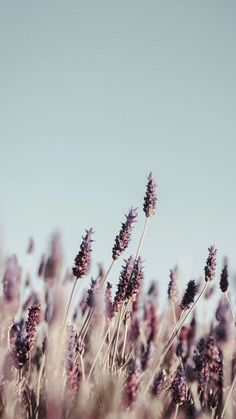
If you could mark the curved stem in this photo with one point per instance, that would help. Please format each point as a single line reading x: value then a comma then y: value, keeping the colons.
x: 82, y: 367
x: 70, y: 300
x: 176, y: 411
x: 98, y: 353
x: 39, y: 382
x: 142, y: 238
x: 230, y: 306
x: 124, y: 342
x: 228, y: 397
x: 117, y: 337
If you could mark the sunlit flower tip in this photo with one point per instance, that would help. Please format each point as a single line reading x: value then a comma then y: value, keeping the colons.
x: 150, y: 199
x: 224, y: 282
x: 189, y: 295
x: 83, y: 259
x: 210, y: 268
x: 123, y: 238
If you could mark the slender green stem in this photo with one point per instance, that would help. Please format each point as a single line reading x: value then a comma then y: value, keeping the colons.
x: 173, y: 312
x: 228, y: 397
x: 176, y: 411
x: 142, y: 238
x: 87, y: 325
x: 39, y: 383
x: 70, y: 300
x: 85, y: 322
x: 230, y: 306
x: 82, y: 367
x: 124, y: 342
x: 98, y: 353
x: 117, y: 337
x: 111, y: 340
x: 108, y: 271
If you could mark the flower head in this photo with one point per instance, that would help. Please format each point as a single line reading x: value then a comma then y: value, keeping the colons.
x: 32, y: 322
x: 172, y: 287
x: 82, y: 260
x: 150, y: 199
x: 124, y: 279
x: 224, y: 283
x: 123, y: 238
x: 189, y: 295
x: 135, y: 281
x: 179, y: 387
x: 210, y: 268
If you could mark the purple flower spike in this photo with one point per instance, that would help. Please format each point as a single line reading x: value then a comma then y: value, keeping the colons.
x: 179, y: 387
x: 224, y: 283
x: 210, y: 268
x: 150, y: 199
x: 136, y: 280
x: 172, y: 287
x: 32, y: 323
x: 189, y: 295
x: 83, y: 259
x: 123, y: 238
x: 123, y: 283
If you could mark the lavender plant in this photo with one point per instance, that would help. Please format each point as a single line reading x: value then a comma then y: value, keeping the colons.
x: 120, y: 355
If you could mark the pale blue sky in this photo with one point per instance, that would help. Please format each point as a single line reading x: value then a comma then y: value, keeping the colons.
x: 94, y: 95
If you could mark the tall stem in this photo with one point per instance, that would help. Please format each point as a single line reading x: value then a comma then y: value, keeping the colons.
x: 124, y: 342
x: 117, y: 336
x: 230, y: 306
x: 142, y: 238
x: 39, y: 383
x: 176, y: 411
x: 228, y: 397
x: 98, y: 353
x: 70, y: 300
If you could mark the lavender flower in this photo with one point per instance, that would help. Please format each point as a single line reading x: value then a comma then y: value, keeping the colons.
x: 159, y: 383
x: 11, y: 279
x: 150, y: 199
x: 32, y: 322
x: 189, y: 295
x: 72, y: 368
x: 135, y: 281
x: 224, y: 283
x: 152, y: 323
x: 20, y: 342
x: 55, y: 259
x: 179, y: 387
x: 82, y: 260
x: 132, y: 384
x: 124, y: 279
x: 147, y: 352
x: 108, y: 301
x: 172, y: 287
x: 123, y: 238
x: 210, y: 268
x: 92, y: 292
x: 42, y: 266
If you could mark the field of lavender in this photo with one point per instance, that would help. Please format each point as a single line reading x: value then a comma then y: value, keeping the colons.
x: 114, y: 354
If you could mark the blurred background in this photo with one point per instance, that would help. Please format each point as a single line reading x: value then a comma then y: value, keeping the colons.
x: 94, y: 96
